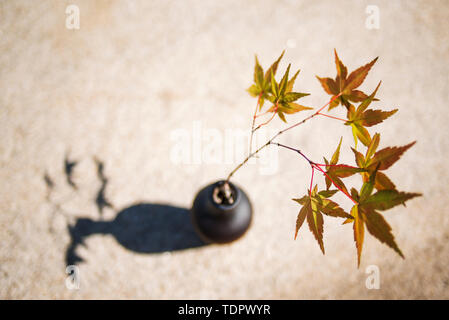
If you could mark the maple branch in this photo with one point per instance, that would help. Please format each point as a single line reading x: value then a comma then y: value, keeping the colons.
x: 245, y: 161
x: 253, y: 124
x: 332, y: 100
x: 269, y: 120
x: 365, y: 214
x: 277, y: 135
x: 262, y: 114
x: 316, y: 166
x: 293, y: 149
x: 311, y: 116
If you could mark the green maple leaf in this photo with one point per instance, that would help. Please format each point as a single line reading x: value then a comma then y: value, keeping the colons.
x: 346, y: 84
x: 314, y: 205
x: 365, y: 213
x: 262, y: 83
x: 359, y: 131
x: 360, y: 118
x: 387, y: 199
x: 283, y: 98
x: 336, y: 173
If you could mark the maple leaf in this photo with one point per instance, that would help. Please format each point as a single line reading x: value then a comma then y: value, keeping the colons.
x: 262, y: 83
x: 372, y: 117
x: 283, y: 98
x: 382, y: 181
x: 335, y: 172
x: 359, y: 232
x: 388, y: 156
x: 387, y: 199
x: 360, y: 118
x: 359, y: 132
x: 385, y: 158
x: 314, y: 205
x: 345, y: 84
x: 372, y: 147
x: 365, y: 213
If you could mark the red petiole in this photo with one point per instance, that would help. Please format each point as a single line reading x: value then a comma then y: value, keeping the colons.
x: 329, y: 116
x: 333, y: 182
x: 335, y: 165
x: 269, y: 120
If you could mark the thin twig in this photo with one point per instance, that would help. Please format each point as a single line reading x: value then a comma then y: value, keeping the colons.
x: 252, y: 154
x: 293, y: 149
x: 253, y: 124
x: 269, y: 120
x: 262, y: 114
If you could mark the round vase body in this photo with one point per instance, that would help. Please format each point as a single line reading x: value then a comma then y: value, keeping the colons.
x: 221, y: 223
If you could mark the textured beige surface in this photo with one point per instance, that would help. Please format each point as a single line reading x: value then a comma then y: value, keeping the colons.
x: 116, y: 88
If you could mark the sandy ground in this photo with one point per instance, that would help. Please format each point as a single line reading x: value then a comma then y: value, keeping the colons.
x: 120, y: 87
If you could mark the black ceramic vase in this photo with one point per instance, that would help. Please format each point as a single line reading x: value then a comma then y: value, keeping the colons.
x: 218, y: 221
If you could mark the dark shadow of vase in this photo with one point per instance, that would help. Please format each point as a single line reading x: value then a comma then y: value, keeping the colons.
x: 143, y: 228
